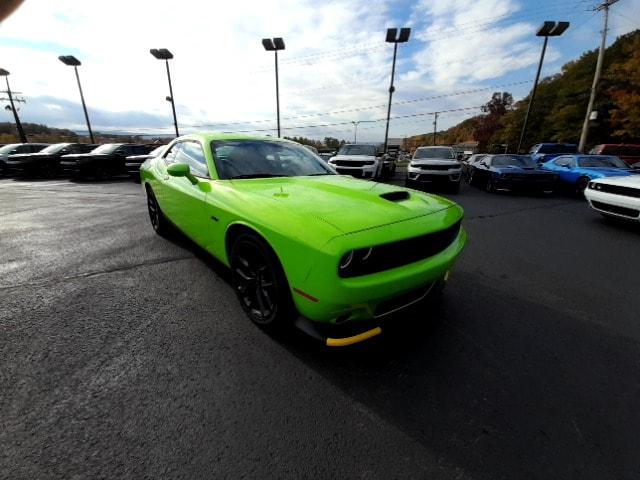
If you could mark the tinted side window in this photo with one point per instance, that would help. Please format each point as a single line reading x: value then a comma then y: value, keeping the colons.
x: 26, y: 149
x: 140, y: 149
x: 191, y: 153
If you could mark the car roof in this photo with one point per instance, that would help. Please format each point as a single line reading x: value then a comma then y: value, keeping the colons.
x: 211, y: 136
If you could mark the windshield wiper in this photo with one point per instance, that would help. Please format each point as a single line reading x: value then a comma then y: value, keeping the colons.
x: 316, y: 174
x: 256, y: 175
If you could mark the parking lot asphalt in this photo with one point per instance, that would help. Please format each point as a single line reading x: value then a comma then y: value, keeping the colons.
x: 126, y: 355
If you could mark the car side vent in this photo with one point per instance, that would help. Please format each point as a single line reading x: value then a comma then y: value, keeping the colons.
x: 395, y: 196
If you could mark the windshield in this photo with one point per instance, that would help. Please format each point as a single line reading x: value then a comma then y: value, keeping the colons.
x: 55, y: 148
x: 106, y: 148
x: 512, y: 161
x: 369, y: 150
x: 8, y: 148
x: 601, y: 162
x: 561, y: 148
x: 434, y: 153
x: 265, y: 158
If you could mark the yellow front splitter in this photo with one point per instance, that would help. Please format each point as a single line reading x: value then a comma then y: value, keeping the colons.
x: 361, y: 337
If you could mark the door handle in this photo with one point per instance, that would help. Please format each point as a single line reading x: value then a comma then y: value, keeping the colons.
x: 166, y: 177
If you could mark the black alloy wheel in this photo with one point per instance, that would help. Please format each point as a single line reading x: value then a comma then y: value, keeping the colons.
x: 259, y: 283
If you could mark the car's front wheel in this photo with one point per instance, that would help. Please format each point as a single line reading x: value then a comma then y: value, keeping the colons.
x: 581, y: 186
x: 259, y: 282
x: 158, y: 221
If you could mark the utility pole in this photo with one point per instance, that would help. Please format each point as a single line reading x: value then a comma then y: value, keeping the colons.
x: 23, y: 137
x: 435, y: 125
x: 596, y: 76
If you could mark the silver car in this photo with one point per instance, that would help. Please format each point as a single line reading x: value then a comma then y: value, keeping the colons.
x: 435, y: 166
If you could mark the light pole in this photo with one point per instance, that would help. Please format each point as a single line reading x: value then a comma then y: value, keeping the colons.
x: 548, y: 29
x: 393, y: 37
x: 72, y: 61
x: 355, y: 131
x: 435, y: 125
x: 596, y: 76
x: 273, y: 45
x: 166, y: 55
x: 23, y: 138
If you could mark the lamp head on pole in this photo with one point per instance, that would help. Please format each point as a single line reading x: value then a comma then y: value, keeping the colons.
x: 70, y: 60
x: 393, y: 37
x: 552, y: 29
x: 161, y: 53
x: 273, y: 44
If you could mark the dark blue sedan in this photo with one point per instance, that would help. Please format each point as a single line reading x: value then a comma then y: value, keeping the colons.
x: 511, y: 172
x: 575, y: 171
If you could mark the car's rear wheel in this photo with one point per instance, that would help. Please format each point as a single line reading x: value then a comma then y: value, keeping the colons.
x: 259, y: 282
x: 158, y: 221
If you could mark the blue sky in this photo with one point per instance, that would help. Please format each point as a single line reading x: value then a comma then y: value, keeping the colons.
x: 335, y: 69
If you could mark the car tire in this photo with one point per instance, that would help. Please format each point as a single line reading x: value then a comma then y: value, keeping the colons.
x: 581, y: 186
x: 260, y: 284
x: 489, y: 186
x: 159, y: 222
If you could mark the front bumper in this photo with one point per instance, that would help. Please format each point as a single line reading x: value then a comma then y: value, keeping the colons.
x: 322, y: 296
x: 350, y: 333
x: 506, y: 183
x: 613, y: 205
x: 419, y: 175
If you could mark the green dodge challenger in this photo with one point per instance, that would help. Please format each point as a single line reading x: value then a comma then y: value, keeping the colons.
x: 334, y: 255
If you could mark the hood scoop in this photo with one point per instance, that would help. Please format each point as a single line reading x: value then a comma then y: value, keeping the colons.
x: 398, y: 196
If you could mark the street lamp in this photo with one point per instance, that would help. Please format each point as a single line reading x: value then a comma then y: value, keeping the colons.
x: 72, y: 61
x: 166, y: 55
x: 548, y: 29
x: 273, y: 45
x: 355, y: 131
x: 23, y: 138
x: 393, y: 37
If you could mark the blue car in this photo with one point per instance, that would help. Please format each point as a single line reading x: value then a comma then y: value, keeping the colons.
x: 543, y: 152
x: 511, y: 172
x: 575, y: 171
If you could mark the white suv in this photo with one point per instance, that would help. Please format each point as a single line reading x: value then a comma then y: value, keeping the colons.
x: 358, y: 160
x: 435, y: 166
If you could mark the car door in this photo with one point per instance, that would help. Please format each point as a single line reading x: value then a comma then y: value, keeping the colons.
x: 564, y: 166
x: 184, y: 201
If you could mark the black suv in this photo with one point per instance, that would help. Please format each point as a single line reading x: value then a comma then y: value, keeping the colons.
x: 105, y: 161
x: 14, y: 148
x: 46, y: 162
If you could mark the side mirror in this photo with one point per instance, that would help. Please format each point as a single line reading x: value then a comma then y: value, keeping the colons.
x: 181, y: 170
x: 460, y: 156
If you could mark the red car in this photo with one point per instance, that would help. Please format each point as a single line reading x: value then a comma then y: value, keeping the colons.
x: 627, y: 152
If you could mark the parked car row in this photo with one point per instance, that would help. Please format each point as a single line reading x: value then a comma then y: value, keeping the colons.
x: 75, y: 159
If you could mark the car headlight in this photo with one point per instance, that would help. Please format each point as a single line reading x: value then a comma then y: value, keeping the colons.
x: 352, y: 262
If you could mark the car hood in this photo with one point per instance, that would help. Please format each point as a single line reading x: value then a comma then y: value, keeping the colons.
x: 632, y: 181
x: 86, y: 155
x: 19, y: 156
x: 140, y: 158
x: 347, y: 204
x: 521, y: 170
x: 360, y: 158
x: 435, y: 161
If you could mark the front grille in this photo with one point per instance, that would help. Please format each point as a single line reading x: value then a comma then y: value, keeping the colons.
x: 627, y: 212
x: 616, y: 189
x: 352, y: 163
x: 438, y: 167
x: 393, y: 255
